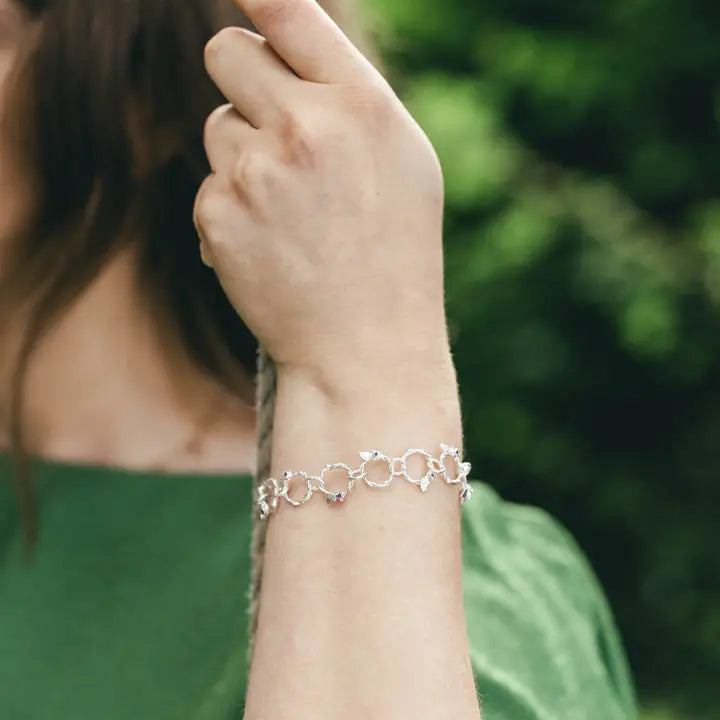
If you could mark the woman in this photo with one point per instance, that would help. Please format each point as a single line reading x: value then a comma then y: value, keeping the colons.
x: 127, y: 377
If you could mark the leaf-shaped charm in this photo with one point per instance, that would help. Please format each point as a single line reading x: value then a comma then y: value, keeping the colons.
x: 366, y: 456
x: 425, y: 483
x: 465, y: 469
x: 466, y: 493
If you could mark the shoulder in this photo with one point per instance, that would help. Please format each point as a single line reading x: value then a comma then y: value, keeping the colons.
x: 543, y: 640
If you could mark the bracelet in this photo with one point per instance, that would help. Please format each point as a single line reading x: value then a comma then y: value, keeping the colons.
x: 271, y: 490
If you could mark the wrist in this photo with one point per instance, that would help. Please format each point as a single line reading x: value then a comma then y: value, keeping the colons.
x: 327, y: 415
x: 353, y: 386
x: 369, y: 367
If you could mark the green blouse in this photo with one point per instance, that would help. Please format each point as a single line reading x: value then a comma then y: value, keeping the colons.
x: 134, y: 606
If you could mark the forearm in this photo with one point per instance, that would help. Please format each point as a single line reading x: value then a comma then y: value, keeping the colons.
x: 323, y: 220
x: 361, y: 613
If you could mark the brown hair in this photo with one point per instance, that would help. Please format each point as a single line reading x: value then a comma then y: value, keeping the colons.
x: 93, y: 62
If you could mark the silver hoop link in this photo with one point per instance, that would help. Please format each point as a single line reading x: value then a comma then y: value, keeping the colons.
x: 285, y: 487
x: 333, y: 498
x: 270, y: 491
x: 375, y: 456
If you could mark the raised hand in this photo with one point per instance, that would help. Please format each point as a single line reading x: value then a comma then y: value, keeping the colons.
x: 323, y: 221
x: 323, y: 215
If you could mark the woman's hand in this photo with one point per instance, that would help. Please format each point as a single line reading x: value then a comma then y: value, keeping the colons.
x: 323, y: 221
x: 323, y: 215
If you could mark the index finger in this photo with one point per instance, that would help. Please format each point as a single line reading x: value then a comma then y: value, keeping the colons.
x: 308, y: 40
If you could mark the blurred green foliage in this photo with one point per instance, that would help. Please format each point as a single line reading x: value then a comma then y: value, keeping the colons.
x: 579, y: 142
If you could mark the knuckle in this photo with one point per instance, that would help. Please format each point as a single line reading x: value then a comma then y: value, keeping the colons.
x: 208, y: 210
x: 215, y: 120
x: 252, y: 172
x: 217, y: 43
x: 302, y: 138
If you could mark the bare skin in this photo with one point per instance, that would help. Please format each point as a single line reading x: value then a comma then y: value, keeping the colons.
x: 327, y: 193
x: 323, y: 221
x: 103, y: 389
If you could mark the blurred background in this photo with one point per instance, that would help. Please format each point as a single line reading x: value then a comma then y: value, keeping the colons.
x: 579, y: 141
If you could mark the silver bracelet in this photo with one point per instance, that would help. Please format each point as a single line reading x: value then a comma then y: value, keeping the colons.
x: 272, y: 490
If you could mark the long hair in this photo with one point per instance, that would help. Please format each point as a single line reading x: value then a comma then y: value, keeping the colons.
x: 100, y: 78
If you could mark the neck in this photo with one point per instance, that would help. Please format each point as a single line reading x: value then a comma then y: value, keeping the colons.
x: 103, y: 388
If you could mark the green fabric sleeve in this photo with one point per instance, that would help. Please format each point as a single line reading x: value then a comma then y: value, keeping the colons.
x: 543, y: 641
x: 134, y: 605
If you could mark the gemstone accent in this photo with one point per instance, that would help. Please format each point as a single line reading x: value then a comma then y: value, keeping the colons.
x: 336, y: 498
x: 466, y: 493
